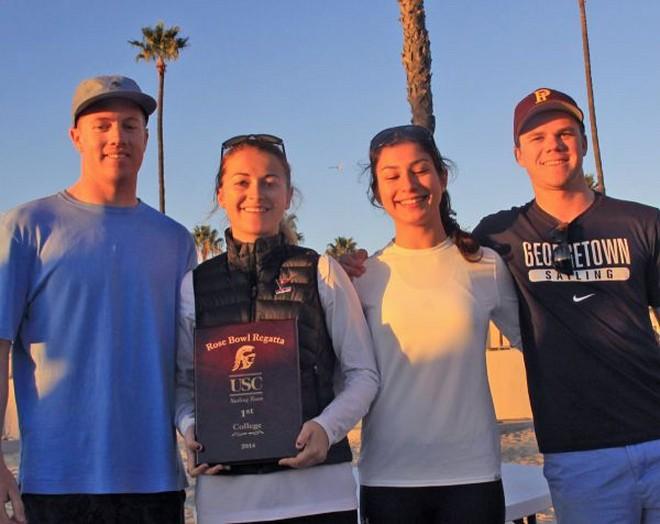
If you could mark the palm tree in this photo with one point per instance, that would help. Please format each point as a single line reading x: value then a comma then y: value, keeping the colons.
x: 416, y: 59
x: 341, y: 246
x: 161, y: 45
x: 590, y: 97
x: 208, y: 241
x: 289, y: 227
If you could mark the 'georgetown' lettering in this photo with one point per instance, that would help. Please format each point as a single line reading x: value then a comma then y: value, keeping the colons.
x: 593, y: 260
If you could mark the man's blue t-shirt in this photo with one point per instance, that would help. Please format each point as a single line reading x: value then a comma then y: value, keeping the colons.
x: 88, y: 295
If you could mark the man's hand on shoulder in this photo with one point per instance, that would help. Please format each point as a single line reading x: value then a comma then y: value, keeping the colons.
x: 353, y: 263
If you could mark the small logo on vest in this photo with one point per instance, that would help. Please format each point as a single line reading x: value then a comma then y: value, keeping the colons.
x: 542, y: 95
x: 244, y: 358
x: 283, y: 285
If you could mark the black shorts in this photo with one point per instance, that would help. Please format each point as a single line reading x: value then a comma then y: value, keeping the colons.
x: 122, y: 508
x: 481, y: 503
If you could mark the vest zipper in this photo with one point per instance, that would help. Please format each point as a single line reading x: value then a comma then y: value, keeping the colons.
x: 317, y: 386
x: 253, y: 302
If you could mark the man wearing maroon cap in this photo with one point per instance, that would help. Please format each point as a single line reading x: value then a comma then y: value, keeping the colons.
x: 587, y: 270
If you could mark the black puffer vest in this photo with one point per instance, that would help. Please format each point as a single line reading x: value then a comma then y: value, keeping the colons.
x: 271, y: 280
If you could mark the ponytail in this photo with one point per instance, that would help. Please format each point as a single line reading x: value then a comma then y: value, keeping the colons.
x: 467, y: 245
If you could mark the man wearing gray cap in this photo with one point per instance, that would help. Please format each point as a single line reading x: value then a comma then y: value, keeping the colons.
x: 88, y: 296
x: 587, y: 270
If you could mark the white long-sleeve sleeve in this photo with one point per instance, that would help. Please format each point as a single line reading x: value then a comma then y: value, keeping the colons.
x: 184, y: 411
x: 358, y: 376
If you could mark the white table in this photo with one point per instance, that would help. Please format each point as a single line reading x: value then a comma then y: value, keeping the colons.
x: 525, y: 490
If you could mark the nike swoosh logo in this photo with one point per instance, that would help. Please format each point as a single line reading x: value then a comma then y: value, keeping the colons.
x: 577, y: 299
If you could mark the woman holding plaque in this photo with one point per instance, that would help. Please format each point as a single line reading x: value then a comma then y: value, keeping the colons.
x: 430, y: 445
x: 262, y: 278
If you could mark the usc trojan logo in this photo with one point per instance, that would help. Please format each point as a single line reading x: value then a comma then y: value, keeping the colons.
x: 244, y: 358
x: 542, y: 95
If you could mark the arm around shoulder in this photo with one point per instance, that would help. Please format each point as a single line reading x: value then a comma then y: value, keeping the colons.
x: 506, y: 314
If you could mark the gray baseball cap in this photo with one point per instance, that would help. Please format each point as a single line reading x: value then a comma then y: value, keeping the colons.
x: 100, y: 88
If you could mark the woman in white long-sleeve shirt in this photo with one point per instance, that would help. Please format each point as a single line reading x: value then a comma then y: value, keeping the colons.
x: 430, y: 445
x: 253, y: 187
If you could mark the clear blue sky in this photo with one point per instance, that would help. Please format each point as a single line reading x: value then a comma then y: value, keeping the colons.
x: 325, y: 76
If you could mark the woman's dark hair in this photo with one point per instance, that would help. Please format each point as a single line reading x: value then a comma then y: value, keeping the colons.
x: 464, y: 241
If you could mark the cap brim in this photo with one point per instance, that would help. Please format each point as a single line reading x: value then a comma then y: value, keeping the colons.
x: 146, y: 103
x: 553, y: 105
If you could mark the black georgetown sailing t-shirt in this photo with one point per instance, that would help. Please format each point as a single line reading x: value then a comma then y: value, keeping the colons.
x: 592, y: 359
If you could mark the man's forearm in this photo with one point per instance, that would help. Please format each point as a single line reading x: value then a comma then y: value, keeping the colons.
x: 5, y: 346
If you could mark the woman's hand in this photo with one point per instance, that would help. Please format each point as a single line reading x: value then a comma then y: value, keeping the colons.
x: 313, y: 444
x: 192, y: 446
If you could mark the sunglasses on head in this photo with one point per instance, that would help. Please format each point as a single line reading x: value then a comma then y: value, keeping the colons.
x: 561, y: 254
x: 234, y: 141
x: 392, y: 135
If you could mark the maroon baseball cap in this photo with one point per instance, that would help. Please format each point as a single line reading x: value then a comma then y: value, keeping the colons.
x: 540, y: 101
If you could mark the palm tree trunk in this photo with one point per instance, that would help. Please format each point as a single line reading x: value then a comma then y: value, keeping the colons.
x: 590, y: 97
x: 416, y: 57
x: 160, y: 66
